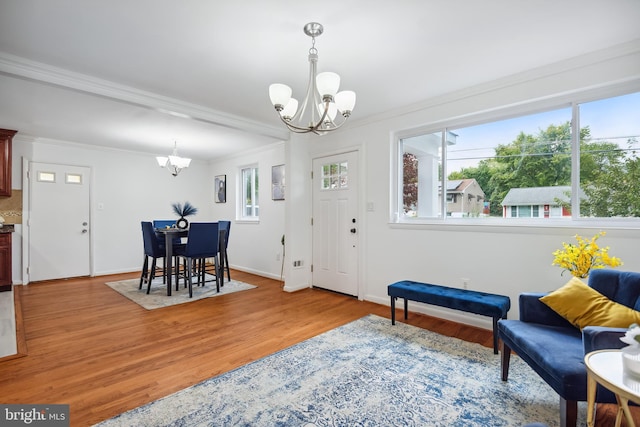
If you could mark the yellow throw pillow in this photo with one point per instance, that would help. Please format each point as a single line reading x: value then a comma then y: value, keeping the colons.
x: 584, y: 306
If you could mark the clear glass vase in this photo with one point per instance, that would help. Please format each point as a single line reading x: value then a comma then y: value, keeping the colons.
x: 631, y: 361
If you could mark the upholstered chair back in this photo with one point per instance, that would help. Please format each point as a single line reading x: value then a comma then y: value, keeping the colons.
x: 620, y: 286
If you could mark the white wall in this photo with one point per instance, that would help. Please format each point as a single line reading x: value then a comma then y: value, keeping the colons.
x: 254, y: 247
x: 130, y: 186
x: 505, y: 260
x: 298, y: 212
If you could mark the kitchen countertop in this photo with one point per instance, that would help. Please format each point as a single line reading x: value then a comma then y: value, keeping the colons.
x: 7, y: 228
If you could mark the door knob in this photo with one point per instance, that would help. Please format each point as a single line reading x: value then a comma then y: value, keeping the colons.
x: 84, y: 231
x: 353, y: 231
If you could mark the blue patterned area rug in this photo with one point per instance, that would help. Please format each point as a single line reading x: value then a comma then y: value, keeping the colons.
x: 365, y: 373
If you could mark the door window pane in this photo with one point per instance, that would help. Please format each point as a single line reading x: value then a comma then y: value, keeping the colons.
x: 46, y: 176
x: 335, y: 176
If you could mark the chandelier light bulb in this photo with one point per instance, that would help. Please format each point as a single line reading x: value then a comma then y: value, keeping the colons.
x: 290, y: 110
x: 345, y: 101
x: 280, y: 95
x: 328, y: 84
x: 174, y: 163
x: 180, y: 162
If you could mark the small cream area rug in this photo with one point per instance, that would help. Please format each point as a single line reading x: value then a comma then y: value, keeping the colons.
x: 158, y: 298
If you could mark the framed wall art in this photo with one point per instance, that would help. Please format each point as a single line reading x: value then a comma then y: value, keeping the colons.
x: 277, y: 182
x: 220, y: 186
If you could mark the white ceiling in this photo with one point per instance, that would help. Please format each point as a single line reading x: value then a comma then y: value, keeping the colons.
x: 116, y: 72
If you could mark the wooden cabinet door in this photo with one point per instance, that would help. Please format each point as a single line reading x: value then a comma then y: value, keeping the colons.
x: 5, y: 161
x: 5, y: 262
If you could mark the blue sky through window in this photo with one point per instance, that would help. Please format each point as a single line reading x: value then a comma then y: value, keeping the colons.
x: 613, y: 119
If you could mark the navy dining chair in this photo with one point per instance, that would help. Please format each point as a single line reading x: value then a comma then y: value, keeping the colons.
x: 202, y: 243
x: 226, y: 226
x: 153, y: 248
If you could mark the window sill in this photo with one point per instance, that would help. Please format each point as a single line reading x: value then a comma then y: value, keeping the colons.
x: 248, y: 221
x: 509, y: 224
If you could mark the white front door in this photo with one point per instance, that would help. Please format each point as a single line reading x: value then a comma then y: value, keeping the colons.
x: 335, y: 223
x: 59, y: 221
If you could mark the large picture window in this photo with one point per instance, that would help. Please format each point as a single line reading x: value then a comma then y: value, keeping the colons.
x: 532, y: 166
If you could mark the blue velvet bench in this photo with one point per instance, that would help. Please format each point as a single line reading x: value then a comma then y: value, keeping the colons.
x: 492, y: 305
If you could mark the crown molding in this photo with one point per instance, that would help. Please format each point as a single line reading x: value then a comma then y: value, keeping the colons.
x: 31, y: 70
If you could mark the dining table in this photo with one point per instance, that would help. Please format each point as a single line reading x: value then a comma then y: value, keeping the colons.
x: 171, y: 233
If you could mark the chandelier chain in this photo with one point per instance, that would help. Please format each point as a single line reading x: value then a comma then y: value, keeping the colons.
x: 312, y: 49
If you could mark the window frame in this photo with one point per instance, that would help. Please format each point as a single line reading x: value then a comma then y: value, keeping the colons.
x: 242, y: 193
x: 570, y: 100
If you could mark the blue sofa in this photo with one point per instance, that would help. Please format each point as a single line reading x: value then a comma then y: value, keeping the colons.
x: 555, y: 349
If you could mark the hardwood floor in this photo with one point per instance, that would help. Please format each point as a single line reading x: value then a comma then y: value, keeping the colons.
x: 92, y: 348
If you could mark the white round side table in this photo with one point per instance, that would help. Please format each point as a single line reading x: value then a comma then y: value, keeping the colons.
x: 604, y: 367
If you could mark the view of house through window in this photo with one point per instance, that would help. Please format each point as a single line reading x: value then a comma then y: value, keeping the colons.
x: 249, y: 199
x: 522, y: 167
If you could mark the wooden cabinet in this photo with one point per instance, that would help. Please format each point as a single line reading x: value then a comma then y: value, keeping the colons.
x: 5, y: 261
x: 6, y: 136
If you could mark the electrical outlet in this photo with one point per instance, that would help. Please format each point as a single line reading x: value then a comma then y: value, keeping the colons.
x: 465, y: 283
x: 277, y: 256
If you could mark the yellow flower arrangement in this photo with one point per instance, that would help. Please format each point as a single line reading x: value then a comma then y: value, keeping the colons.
x: 586, y: 255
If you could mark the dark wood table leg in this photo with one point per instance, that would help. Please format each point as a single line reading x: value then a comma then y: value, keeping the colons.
x: 168, y: 244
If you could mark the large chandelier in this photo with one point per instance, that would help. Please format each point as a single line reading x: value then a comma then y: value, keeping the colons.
x: 174, y: 162
x: 321, y: 103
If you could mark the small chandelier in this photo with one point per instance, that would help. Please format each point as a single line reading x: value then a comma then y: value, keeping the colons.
x: 322, y: 101
x: 174, y: 162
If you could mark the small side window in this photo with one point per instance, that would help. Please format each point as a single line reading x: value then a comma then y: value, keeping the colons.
x: 249, y: 208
